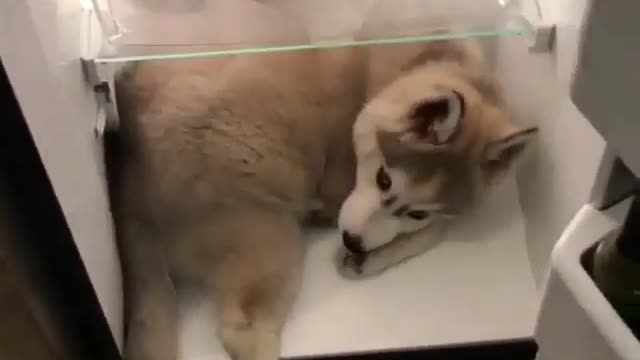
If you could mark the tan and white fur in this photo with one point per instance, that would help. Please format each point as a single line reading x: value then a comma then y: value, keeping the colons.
x: 443, y: 134
x: 219, y: 161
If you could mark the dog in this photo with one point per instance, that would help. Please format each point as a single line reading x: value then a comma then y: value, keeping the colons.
x: 219, y: 161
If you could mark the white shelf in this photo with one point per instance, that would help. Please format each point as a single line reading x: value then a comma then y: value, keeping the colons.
x: 136, y: 30
x: 477, y: 286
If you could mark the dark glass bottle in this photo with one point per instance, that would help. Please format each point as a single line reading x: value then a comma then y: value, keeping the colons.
x: 616, y: 269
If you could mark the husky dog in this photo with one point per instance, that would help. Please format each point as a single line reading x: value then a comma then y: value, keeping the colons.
x: 218, y: 162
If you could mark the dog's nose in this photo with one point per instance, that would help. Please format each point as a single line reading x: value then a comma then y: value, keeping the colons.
x: 352, y: 242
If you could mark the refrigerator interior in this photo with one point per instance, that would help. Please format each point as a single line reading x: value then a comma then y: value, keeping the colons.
x: 479, y: 285
x: 483, y: 283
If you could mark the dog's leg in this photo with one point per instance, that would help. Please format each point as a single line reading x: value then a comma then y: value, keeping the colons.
x: 355, y: 266
x: 256, y: 280
x: 338, y: 180
x: 150, y: 304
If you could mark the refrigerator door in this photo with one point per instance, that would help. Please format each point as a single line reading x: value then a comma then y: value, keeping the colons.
x: 576, y: 321
x: 605, y: 86
x: 41, y: 43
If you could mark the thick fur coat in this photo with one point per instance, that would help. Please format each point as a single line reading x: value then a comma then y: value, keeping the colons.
x: 219, y: 162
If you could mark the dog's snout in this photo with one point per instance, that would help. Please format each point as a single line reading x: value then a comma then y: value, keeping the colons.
x: 352, y: 242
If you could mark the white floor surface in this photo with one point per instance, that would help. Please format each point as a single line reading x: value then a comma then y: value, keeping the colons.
x: 475, y: 286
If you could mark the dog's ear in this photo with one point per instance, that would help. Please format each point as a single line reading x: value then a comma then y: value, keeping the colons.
x: 435, y: 120
x: 502, y: 153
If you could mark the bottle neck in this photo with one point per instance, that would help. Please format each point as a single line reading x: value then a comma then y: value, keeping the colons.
x: 628, y: 242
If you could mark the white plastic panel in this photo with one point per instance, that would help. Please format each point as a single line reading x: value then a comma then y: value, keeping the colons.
x: 558, y: 176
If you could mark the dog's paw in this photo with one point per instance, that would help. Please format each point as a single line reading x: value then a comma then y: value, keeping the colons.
x: 352, y: 265
x: 360, y: 265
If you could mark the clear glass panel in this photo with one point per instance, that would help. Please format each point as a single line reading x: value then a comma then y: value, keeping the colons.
x: 152, y: 29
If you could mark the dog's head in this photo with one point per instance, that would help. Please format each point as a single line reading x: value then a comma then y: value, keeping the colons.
x: 428, y: 147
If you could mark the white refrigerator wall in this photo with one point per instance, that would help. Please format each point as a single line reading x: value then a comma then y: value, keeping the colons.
x: 558, y: 177
x: 41, y: 43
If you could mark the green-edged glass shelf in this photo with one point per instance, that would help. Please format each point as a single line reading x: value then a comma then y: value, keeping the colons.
x: 127, y: 30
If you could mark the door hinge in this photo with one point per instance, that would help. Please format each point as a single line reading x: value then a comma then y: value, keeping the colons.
x: 100, y: 77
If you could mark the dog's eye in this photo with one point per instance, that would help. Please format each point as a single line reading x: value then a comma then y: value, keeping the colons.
x: 383, y: 180
x: 418, y: 214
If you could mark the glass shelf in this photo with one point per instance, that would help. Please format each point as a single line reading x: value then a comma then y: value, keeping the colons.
x: 174, y: 29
